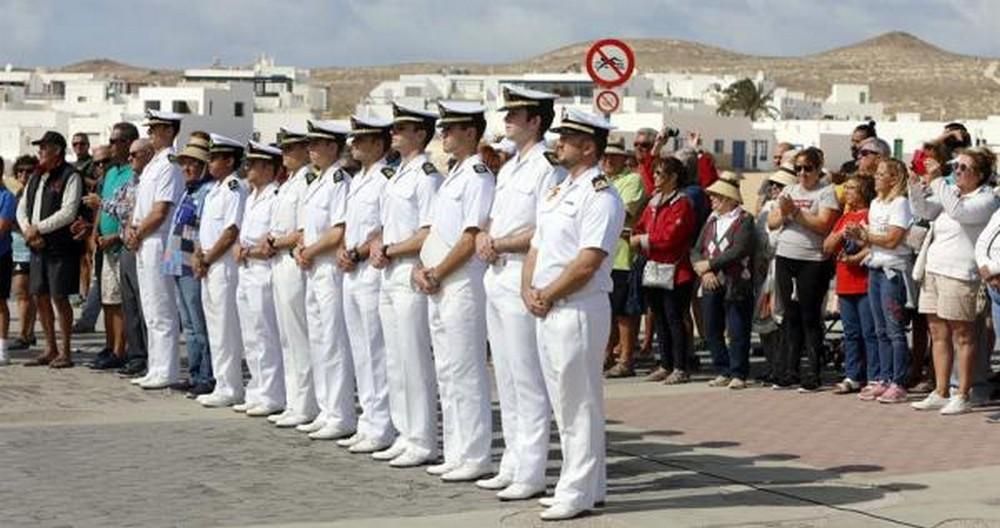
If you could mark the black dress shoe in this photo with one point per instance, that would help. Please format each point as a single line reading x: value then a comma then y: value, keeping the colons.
x: 100, y: 360
x: 18, y: 344
x: 134, y: 367
x: 110, y: 363
x: 183, y: 385
x: 199, y: 389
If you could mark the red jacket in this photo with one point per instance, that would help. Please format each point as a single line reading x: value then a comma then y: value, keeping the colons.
x: 670, y: 228
x: 706, y: 170
x: 646, y: 171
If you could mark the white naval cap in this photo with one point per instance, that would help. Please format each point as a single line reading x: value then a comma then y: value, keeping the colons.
x: 520, y: 97
x: 460, y: 112
x: 156, y: 117
x: 257, y: 150
x: 336, y: 130
x: 408, y: 114
x: 579, y: 122
x: 291, y: 135
x: 369, y: 125
x: 504, y: 145
x: 224, y: 145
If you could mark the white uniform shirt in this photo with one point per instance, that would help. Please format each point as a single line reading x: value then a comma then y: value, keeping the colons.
x: 521, y: 183
x: 160, y: 181
x: 257, y: 215
x: 287, y: 204
x: 324, y: 204
x: 223, y: 208
x: 408, y: 199
x: 572, y: 217
x: 364, y: 204
x: 463, y: 201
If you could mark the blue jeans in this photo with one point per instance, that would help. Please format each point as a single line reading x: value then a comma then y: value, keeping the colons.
x: 888, y: 298
x: 195, y: 330
x: 735, y: 316
x: 860, y: 342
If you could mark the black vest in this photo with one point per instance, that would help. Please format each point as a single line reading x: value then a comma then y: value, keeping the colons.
x: 60, y: 241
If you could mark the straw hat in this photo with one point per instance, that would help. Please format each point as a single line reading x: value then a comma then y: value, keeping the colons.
x: 785, y: 175
x: 196, y: 148
x: 728, y: 185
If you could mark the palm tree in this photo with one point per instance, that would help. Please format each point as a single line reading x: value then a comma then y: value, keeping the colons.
x: 746, y: 97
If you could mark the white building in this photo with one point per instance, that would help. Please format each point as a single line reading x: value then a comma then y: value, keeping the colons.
x: 222, y: 108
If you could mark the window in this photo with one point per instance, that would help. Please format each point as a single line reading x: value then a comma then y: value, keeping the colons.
x: 210, y: 108
x: 862, y: 97
x: 897, y: 148
x: 238, y: 109
x: 181, y: 107
x: 81, y: 99
x: 720, y: 146
x: 152, y: 105
x: 412, y: 91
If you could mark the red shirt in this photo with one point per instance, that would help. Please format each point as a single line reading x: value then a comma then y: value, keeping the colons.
x: 646, y: 171
x: 671, y: 230
x: 706, y: 170
x: 852, y: 279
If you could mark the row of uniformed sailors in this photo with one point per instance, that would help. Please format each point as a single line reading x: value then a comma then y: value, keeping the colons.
x: 345, y: 285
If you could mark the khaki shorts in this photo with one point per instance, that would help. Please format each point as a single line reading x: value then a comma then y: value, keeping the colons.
x: 111, y: 283
x: 948, y: 298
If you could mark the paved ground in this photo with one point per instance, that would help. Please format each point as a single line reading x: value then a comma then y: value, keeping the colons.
x: 83, y: 449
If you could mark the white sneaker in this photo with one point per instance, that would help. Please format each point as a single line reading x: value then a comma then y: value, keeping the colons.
x: 263, y: 410
x: 932, y: 402
x: 410, y: 459
x: 547, y: 502
x: 368, y: 445
x: 396, y: 449
x: 956, y: 405
x: 218, y: 400
x: 497, y: 482
x: 441, y: 469
x: 353, y: 439
x: 280, y: 416
x: 561, y: 512
x: 142, y: 379
x: 331, y: 431
x: 292, y: 420
x: 467, y: 472
x: 312, y: 426
x: 519, y: 491
x: 156, y: 384
x: 242, y: 407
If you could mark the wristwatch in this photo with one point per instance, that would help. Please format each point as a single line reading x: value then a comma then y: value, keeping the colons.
x: 385, y: 251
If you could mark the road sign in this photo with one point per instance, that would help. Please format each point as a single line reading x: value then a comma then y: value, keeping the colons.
x: 610, y: 62
x: 607, y: 101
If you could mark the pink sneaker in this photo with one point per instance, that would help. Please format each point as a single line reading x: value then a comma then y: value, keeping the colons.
x: 895, y: 394
x: 872, y: 391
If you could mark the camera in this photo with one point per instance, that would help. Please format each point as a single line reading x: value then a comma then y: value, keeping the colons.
x: 669, y: 132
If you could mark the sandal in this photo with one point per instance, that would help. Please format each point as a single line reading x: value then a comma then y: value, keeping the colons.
x: 677, y: 377
x: 620, y: 370
x: 39, y: 361
x: 61, y: 363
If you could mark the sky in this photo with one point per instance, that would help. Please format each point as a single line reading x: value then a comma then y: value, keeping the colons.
x: 311, y: 33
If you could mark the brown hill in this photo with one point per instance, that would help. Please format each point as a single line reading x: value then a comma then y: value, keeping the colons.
x: 904, y: 72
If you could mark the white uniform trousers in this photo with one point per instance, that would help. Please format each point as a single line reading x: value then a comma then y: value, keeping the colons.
x: 571, y: 341
x: 329, y: 348
x: 458, y: 334
x: 409, y: 361
x: 364, y: 329
x: 524, y: 404
x: 159, y: 307
x: 225, y: 339
x: 289, y: 282
x: 261, y: 345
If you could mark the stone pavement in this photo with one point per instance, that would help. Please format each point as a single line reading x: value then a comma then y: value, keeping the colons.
x: 86, y: 449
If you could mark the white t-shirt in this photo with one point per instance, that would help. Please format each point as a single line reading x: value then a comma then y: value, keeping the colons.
x: 797, y: 241
x: 881, y: 216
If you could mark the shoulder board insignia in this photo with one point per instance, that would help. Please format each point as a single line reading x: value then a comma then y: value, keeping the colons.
x: 600, y: 182
x: 429, y: 168
x: 233, y: 185
x: 480, y: 168
x: 339, y: 175
x: 388, y: 172
x: 551, y: 158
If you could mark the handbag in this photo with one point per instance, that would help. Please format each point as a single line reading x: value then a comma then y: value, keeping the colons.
x: 658, y: 275
x: 920, y: 265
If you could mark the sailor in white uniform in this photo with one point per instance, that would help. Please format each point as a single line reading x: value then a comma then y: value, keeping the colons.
x: 370, y: 142
x: 452, y: 275
x: 322, y: 217
x: 406, y: 217
x: 524, y: 405
x: 215, y: 263
x: 160, y: 189
x: 265, y: 392
x: 567, y: 282
x: 290, y: 284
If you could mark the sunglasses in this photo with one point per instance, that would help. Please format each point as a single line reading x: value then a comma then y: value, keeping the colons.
x: 864, y: 153
x: 961, y: 167
x: 642, y: 144
x: 115, y: 141
x: 804, y: 168
x: 102, y: 161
